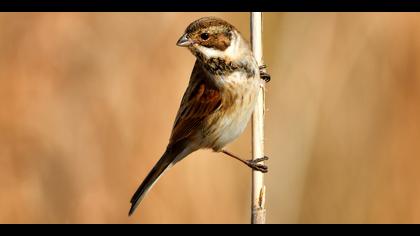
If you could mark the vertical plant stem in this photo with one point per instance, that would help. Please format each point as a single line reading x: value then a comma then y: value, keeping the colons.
x: 258, y: 188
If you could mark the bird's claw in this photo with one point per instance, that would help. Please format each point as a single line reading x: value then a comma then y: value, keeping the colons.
x: 258, y: 167
x: 265, y: 158
x: 263, y: 74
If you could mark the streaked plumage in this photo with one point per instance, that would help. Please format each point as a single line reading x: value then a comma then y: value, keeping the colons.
x: 219, y: 99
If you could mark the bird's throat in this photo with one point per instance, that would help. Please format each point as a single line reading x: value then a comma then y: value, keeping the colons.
x: 222, y: 67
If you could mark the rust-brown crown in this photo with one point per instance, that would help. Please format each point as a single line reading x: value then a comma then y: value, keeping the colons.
x: 206, y: 23
x: 209, y: 32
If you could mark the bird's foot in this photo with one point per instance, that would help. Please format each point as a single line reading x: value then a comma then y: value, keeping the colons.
x: 258, y: 167
x: 263, y: 74
x: 265, y: 158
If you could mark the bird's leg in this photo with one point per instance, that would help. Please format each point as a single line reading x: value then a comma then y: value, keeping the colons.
x: 251, y: 163
x: 263, y: 74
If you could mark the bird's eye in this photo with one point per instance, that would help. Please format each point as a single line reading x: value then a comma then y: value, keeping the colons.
x: 204, y: 36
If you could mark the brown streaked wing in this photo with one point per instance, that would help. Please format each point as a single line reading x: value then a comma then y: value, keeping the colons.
x: 201, y: 99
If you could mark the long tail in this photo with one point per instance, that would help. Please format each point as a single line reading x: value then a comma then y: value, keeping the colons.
x: 166, y: 161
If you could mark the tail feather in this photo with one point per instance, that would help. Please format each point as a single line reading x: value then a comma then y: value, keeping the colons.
x: 169, y: 158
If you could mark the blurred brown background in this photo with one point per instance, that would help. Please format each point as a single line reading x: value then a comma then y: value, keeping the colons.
x: 87, y: 102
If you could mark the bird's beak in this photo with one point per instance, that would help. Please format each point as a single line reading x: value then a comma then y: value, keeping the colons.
x: 184, y: 41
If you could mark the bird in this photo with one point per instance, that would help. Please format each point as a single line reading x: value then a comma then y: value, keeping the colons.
x: 219, y: 100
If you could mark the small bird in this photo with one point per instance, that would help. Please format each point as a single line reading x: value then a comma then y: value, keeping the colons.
x: 219, y: 100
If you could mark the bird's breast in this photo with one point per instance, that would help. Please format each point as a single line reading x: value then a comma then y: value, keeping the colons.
x: 238, y: 100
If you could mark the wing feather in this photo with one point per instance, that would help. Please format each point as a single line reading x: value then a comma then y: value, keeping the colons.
x: 201, y: 99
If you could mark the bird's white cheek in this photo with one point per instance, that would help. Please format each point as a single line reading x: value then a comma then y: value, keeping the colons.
x: 211, y: 52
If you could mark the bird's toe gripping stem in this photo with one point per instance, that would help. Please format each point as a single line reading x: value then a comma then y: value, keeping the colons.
x: 263, y: 73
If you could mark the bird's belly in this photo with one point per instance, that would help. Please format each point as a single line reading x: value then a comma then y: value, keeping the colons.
x: 230, y: 123
x: 232, y: 127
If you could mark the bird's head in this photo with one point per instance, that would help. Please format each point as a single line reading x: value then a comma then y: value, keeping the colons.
x: 211, y: 37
